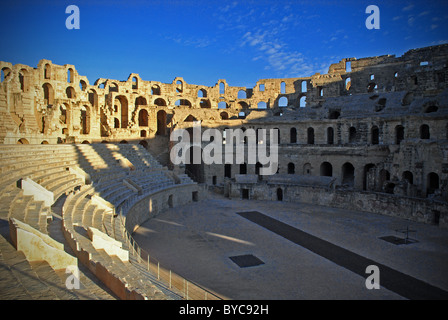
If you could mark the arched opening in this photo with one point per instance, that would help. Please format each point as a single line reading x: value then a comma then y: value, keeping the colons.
x: 155, y: 90
x: 283, y: 102
x: 304, y: 86
x: 70, y: 92
x: 134, y: 83
x: 160, y: 102
x: 63, y: 116
x: 352, y: 135
x: 142, y: 133
x: 348, y: 174
x: 5, y: 73
x: 116, y: 123
x: 224, y: 115
x: 302, y: 102
x: 122, y: 107
x: 22, y: 141
x: 408, y: 176
x: 93, y: 98
x: 326, y: 169
x: 368, y: 182
x: 161, y: 123
x: 334, y: 114
x: 310, y: 135
x: 431, y: 109
x: 85, y: 142
x: 183, y: 102
x: 424, y: 131
x: 389, y: 188
x: 399, y: 134
x: 330, y: 135
x: 70, y: 75
x: 44, y: 142
x: 143, y: 118
x: 293, y: 135
x: 307, y: 169
x: 279, y: 194
x: 48, y: 94
x: 222, y: 105
x: 85, y: 120
x: 222, y: 88
x: 348, y: 83
x: 82, y: 85
x: 113, y: 87
x: 202, y: 93
x: 375, y: 135
x: 432, y: 183
x: 23, y: 79
x: 140, y: 101
x: 383, y: 178
x: 47, y: 71
x: 242, y: 94
x: 291, y: 168
x: 261, y: 105
x: 227, y: 170
x: 282, y: 87
x: 205, y: 103
x: 123, y: 142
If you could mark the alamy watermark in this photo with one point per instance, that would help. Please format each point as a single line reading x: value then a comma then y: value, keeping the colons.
x: 373, y: 20
x: 373, y: 280
x: 214, y: 147
x: 73, y: 20
x: 72, y: 282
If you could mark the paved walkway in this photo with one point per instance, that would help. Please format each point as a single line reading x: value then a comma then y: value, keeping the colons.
x: 197, y: 241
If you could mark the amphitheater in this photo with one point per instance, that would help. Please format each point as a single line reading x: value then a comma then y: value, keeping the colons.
x: 87, y: 181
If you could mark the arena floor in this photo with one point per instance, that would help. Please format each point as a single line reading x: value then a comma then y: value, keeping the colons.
x: 260, y: 250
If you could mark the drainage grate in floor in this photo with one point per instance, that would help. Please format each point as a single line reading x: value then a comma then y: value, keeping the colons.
x: 396, y: 240
x: 247, y: 260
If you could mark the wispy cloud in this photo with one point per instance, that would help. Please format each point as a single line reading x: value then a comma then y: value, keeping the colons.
x: 408, y: 7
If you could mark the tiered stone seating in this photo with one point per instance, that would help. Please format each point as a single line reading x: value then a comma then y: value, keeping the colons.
x: 108, y: 166
x: 121, y: 276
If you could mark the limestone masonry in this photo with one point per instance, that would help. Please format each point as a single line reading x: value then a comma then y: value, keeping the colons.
x: 370, y: 135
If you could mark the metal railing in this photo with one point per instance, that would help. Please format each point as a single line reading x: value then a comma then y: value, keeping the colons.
x: 184, y: 288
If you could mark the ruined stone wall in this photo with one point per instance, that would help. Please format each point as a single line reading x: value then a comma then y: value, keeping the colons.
x: 380, y: 123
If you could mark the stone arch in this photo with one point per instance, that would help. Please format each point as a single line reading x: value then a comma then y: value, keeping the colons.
x: 70, y: 92
x: 161, y: 123
x: 326, y: 169
x: 279, y: 193
x: 143, y: 118
x: 310, y: 135
x: 283, y: 102
x: 348, y: 174
x: 48, y: 93
x: 47, y: 71
x: 202, y: 93
x: 160, y: 102
x: 85, y: 119
x: 224, y: 115
x: 424, y: 131
x: 23, y: 141
x: 291, y: 168
x: 123, y: 109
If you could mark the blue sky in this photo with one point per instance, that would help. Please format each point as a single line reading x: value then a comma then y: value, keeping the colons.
x: 204, y: 41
